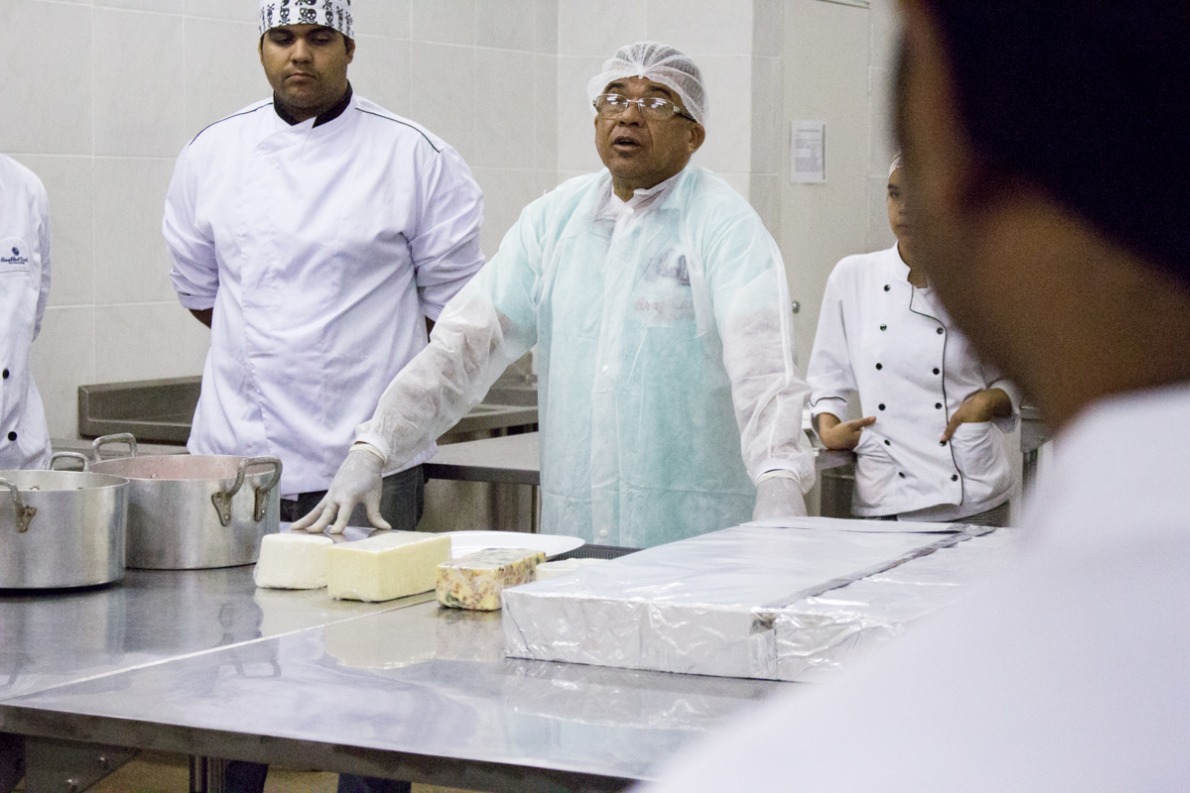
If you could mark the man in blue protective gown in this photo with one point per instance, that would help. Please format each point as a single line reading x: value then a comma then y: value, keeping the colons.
x: 670, y: 404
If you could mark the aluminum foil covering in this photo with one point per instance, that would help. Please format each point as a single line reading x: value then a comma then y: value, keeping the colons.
x: 790, y: 603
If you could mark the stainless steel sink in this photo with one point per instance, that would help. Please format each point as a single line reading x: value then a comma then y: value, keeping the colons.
x: 160, y: 411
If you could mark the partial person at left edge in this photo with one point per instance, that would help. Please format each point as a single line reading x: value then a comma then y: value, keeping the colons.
x: 318, y: 235
x: 24, y: 289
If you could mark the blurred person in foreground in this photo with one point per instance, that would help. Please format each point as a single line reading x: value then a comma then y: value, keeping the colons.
x: 669, y: 401
x: 930, y: 441
x: 1045, y: 147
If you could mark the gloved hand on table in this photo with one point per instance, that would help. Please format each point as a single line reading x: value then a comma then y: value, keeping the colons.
x: 778, y: 495
x: 358, y: 481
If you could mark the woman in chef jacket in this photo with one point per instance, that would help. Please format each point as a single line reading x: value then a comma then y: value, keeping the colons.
x: 24, y: 287
x: 929, y: 445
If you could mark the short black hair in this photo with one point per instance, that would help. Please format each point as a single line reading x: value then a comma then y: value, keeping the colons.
x: 1087, y: 99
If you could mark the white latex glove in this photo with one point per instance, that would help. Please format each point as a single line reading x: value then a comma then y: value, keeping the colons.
x: 358, y: 481
x: 779, y: 497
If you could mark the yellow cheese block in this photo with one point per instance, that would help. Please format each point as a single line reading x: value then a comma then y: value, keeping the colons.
x: 385, y: 566
x: 292, y: 561
x: 476, y: 580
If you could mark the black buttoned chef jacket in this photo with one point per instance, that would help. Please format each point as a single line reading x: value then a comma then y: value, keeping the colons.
x: 893, y: 344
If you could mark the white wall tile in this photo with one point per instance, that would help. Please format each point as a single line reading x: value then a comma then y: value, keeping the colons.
x: 46, y: 97
x: 546, y: 180
x: 381, y: 72
x: 443, y: 93
x: 391, y: 18
x: 742, y: 182
x: 728, y: 82
x: 576, y: 131
x: 764, y: 193
x: 506, y: 24
x: 222, y: 73
x: 597, y: 28
x: 156, y: 6
x: 444, y: 21
x: 879, y: 235
x: 138, y: 95
x: 545, y: 21
x: 505, y: 109
x: 63, y: 358
x: 69, y: 183
x: 147, y: 340
x: 229, y: 10
x: 883, y: 143
x: 767, y: 23
x: 545, y: 112
x: 131, y: 259
x: 766, y: 115
x: 506, y: 191
x: 885, y: 32
x: 702, y: 27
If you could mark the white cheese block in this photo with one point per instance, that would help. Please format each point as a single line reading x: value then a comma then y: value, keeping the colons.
x: 292, y: 561
x: 564, y: 567
x: 385, y: 566
x: 476, y: 580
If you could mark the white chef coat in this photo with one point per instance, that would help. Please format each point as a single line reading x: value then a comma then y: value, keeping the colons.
x: 320, y: 247
x: 24, y: 289
x: 894, y: 345
x: 1066, y: 673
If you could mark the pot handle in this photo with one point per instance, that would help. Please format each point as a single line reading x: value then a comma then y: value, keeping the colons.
x: 119, y: 437
x: 262, y: 492
x: 222, y: 499
x: 24, y: 511
x: 56, y: 456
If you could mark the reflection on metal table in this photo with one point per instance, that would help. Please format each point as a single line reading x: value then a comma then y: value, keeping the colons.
x: 201, y: 663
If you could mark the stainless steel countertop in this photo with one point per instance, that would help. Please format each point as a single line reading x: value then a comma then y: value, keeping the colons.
x: 199, y: 662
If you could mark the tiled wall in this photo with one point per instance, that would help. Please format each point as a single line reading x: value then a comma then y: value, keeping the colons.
x: 99, y: 96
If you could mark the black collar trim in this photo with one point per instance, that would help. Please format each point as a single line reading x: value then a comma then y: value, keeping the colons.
x: 322, y: 118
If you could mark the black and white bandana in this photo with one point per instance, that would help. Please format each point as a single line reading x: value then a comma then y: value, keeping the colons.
x: 329, y: 13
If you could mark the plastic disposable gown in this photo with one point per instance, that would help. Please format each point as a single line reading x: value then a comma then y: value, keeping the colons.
x: 664, y: 350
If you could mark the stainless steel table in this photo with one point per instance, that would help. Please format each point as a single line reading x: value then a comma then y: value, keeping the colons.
x: 201, y: 663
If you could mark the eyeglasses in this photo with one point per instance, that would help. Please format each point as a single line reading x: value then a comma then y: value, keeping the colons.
x: 651, y: 107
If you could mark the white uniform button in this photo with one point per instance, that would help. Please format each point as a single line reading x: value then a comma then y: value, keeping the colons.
x: 603, y: 532
x: 605, y: 368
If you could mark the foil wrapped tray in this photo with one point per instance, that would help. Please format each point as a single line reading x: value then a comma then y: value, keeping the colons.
x: 783, y: 603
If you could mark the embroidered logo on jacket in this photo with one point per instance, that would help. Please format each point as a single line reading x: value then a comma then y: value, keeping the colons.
x: 16, y: 257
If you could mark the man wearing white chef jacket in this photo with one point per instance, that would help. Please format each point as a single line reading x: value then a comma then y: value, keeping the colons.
x: 929, y: 445
x: 24, y: 289
x: 314, y: 232
x: 1045, y: 149
x: 669, y: 401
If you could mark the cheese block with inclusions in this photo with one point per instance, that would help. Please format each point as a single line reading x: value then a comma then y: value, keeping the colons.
x: 476, y: 580
x: 385, y: 566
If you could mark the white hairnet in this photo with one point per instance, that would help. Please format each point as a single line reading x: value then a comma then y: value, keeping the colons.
x: 661, y: 64
x: 896, y: 163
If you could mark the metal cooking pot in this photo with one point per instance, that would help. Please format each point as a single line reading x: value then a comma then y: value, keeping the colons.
x: 194, y: 511
x: 61, y: 528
